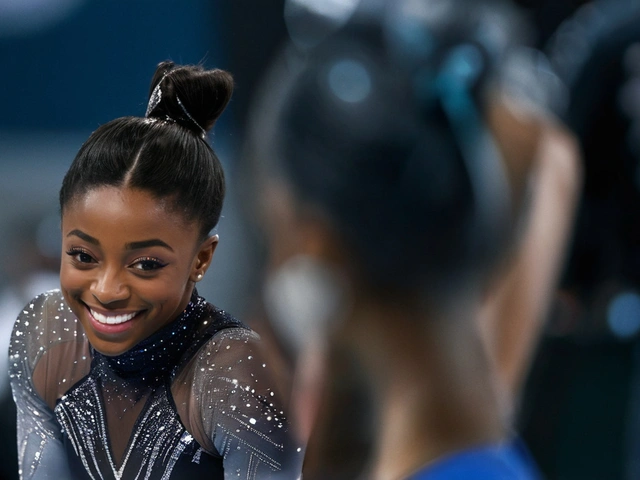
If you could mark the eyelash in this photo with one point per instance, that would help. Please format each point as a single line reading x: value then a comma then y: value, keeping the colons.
x: 151, y: 263
x: 156, y: 264
x: 75, y: 252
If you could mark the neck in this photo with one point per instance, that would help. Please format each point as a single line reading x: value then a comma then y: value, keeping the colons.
x: 432, y: 381
x: 153, y: 359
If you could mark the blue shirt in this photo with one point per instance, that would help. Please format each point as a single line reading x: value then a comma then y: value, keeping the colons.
x: 507, y: 461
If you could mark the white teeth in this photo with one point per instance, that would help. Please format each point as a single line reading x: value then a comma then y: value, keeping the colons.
x: 112, y: 319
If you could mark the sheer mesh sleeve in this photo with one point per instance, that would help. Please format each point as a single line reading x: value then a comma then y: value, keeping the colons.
x: 239, y: 409
x: 45, y: 359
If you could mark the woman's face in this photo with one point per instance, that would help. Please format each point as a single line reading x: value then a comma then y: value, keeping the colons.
x: 128, y: 265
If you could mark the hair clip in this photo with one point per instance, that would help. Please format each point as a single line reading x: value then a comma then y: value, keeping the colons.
x: 184, y: 110
x: 156, y: 97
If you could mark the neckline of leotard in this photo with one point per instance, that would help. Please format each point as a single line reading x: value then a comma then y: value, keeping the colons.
x: 153, y: 359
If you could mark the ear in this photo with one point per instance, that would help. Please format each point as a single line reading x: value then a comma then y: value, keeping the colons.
x: 203, y: 258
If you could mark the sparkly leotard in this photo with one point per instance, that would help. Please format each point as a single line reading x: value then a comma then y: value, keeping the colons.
x: 191, y: 401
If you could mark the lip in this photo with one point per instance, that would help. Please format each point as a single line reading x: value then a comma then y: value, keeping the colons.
x: 112, y: 322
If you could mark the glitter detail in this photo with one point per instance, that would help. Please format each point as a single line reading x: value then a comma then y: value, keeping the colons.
x: 196, y: 457
x: 156, y: 97
x: 145, y: 409
x: 149, y: 362
x: 184, y: 110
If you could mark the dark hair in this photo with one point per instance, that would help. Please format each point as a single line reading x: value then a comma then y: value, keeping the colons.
x: 382, y: 127
x: 165, y: 153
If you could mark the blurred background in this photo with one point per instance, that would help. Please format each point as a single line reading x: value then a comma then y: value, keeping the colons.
x: 67, y: 66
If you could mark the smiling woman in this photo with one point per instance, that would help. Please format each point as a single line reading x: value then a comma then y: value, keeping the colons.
x: 128, y: 264
x: 126, y: 372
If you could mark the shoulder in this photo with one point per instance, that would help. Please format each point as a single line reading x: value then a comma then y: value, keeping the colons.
x: 224, y: 343
x: 52, y: 300
x: 221, y: 320
x: 222, y: 331
x: 39, y: 314
x: 229, y: 340
x: 44, y: 322
x: 232, y: 349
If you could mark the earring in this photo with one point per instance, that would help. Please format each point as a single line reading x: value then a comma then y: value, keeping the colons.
x: 198, y: 277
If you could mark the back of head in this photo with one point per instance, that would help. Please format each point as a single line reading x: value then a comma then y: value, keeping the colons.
x: 166, y: 152
x: 381, y: 126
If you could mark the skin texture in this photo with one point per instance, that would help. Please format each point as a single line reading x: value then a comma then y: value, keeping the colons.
x: 513, y: 315
x: 102, y: 270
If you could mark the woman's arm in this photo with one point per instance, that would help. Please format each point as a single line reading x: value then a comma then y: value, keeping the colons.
x: 514, y: 313
x: 241, y: 411
x: 40, y: 450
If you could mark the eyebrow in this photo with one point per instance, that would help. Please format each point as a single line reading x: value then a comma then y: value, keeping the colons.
x: 154, y: 242
x: 83, y: 236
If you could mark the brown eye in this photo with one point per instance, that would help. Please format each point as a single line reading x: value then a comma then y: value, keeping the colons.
x: 148, y: 264
x: 80, y: 255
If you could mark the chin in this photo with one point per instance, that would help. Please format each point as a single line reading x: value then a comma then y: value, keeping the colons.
x: 108, y: 349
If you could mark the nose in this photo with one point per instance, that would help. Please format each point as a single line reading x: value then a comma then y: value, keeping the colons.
x: 109, y: 286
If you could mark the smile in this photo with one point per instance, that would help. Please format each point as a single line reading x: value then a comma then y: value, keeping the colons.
x: 112, y: 319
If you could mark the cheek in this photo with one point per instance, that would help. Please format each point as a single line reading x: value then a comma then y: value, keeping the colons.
x: 168, y: 289
x: 72, y: 279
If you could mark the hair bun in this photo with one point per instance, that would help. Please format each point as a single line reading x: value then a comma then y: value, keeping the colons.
x: 189, y: 95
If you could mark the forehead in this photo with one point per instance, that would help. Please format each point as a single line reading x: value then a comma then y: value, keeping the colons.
x: 126, y: 212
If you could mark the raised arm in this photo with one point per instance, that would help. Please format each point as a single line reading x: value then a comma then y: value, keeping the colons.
x: 514, y: 313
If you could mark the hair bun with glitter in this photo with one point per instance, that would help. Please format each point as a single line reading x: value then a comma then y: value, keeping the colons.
x: 189, y: 95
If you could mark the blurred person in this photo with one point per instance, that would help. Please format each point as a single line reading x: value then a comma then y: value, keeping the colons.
x: 126, y: 372
x: 409, y: 202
